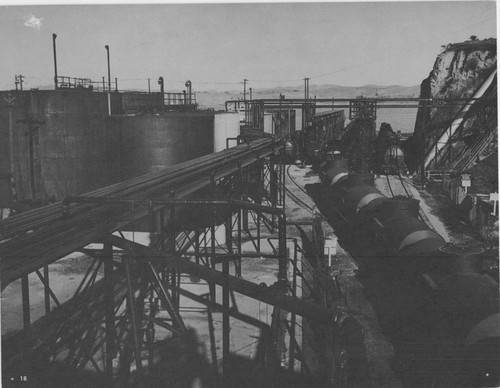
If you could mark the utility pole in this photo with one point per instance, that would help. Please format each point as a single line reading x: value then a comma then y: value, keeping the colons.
x: 54, y: 36
x: 306, y: 97
x: 19, y: 81
x: 250, y: 93
x: 245, y: 89
x: 109, y: 69
x: 245, y: 99
x: 109, y: 82
x: 162, y: 92
x: 189, y: 91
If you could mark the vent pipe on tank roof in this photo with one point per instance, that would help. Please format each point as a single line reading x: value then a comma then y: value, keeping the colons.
x: 188, y: 86
x: 162, y: 92
x: 54, y: 36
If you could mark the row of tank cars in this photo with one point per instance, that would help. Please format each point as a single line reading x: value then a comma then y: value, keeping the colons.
x: 435, y: 302
x: 438, y: 307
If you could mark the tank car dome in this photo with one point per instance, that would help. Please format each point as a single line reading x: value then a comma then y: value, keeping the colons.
x: 289, y: 148
x: 394, y: 152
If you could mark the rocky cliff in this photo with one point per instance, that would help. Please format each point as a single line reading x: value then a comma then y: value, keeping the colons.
x: 459, y: 71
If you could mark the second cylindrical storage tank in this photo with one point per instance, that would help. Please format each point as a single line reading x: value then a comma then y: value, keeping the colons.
x: 226, y: 125
x: 151, y: 142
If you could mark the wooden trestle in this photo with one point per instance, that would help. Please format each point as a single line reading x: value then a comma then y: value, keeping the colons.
x: 109, y: 324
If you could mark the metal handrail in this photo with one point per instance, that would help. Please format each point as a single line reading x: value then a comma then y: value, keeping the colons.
x: 180, y: 98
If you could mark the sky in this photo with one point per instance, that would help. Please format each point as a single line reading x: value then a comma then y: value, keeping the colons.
x: 217, y: 46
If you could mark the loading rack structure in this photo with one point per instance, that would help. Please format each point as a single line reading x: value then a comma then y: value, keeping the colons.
x: 109, y: 323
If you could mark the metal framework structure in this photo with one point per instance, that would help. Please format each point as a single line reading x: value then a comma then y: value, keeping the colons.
x: 132, y: 292
x: 339, y: 103
x: 448, y: 151
x: 439, y: 151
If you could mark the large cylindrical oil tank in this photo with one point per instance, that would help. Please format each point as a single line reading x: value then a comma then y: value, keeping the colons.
x: 268, y: 123
x: 151, y: 142
x: 59, y: 142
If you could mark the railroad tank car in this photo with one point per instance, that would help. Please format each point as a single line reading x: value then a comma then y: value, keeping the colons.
x: 290, y: 148
x: 394, y: 160
x: 452, y: 288
x: 335, y: 170
x: 389, y: 156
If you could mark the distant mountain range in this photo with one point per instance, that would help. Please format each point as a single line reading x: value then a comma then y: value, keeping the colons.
x: 215, y: 99
x: 352, y: 91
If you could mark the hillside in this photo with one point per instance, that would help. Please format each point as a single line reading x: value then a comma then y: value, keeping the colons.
x: 458, y: 72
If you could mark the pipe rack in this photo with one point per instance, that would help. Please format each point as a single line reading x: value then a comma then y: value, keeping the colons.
x: 38, y: 237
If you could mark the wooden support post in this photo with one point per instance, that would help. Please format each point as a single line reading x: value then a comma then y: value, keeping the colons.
x: 135, y: 324
x: 46, y: 289
x: 273, y: 187
x: 225, y: 296
x: 283, y: 181
x: 161, y: 235
x: 238, y: 261
x: 213, y: 345
x: 172, y: 250
x: 150, y: 332
x: 293, y: 318
x: 110, y: 309
x: 213, y: 187
x: 25, y: 290
x: 197, y: 245
x: 282, y: 251
x: 213, y: 295
x: 260, y: 183
x: 167, y: 301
